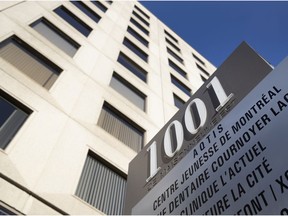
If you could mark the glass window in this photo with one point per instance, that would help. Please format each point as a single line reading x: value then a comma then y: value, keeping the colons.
x: 100, y: 6
x: 169, y: 35
x: 132, y: 66
x: 140, y: 18
x: 173, y: 45
x: 88, y: 11
x: 56, y: 36
x: 109, y: 2
x: 178, y: 102
x: 202, y: 69
x: 121, y: 127
x: 176, y: 68
x: 135, y: 49
x: 144, y: 30
x: 102, y: 186
x: 29, y: 61
x: 137, y: 36
x: 12, y: 116
x: 128, y: 91
x: 180, y: 85
x: 178, y: 58
x: 198, y: 59
x: 69, y: 17
x: 142, y: 12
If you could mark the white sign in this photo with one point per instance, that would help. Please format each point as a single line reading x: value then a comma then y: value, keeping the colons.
x: 241, y: 165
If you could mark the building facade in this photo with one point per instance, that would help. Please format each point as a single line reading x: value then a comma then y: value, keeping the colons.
x: 83, y: 86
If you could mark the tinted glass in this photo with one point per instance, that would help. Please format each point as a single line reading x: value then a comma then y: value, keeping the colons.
x: 99, y: 5
x: 88, y: 11
x: 135, y: 49
x: 73, y: 20
x: 6, y: 110
x: 138, y: 36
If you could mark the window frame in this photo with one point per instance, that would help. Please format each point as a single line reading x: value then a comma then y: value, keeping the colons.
x: 75, y: 18
x: 126, y: 121
x: 180, y: 85
x: 139, y: 26
x: 131, y: 88
x: 93, y: 161
x: 132, y: 66
x: 177, y: 68
x: 58, y: 32
x: 140, y: 18
x: 19, y: 110
x: 137, y: 36
x: 35, y: 55
x: 135, y: 49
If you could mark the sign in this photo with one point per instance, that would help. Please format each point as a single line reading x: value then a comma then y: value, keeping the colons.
x: 181, y: 152
x: 244, y: 168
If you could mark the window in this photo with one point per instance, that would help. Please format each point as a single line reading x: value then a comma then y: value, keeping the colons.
x: 88, y: 11
x: 121, y: 127
x: 128, y: 91
x: 171, y: 44
x: 100, y: 6
x: 69, y: 17
x: 203, y: 78
x: 102, y: 185
x: 175, y: 55
x: 202, y: 69
x: 137, y: 36
x: 198, y: 59
x: 180, y: 85
x: 140, y: 18
x: 144, y: 30
x: 142, y: 12
x: 135, y: 49
x: 29, y: 61
x: 56, y: 36
x: 169, y: 35
x: 12, y: 116
x: 178, y: 102
x: 109, y: 2
x: 176, y: 68
x: 132, y: 66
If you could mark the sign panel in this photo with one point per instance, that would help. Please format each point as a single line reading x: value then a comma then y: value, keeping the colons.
x: 242, y: 170
x: 152, y: 171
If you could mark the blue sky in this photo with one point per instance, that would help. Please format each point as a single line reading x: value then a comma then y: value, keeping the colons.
x: 215, y: 29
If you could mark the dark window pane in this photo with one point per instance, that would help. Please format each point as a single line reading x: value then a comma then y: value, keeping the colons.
x: 135, y: 49
x: 175, y: 55
x: 173, y: 38
x: 12, y: 116
x: 203, y: 70
x: 100, y: 6
x: 69, y: 17
x: 109, y: 2
x: 145, y: 31
x: 176, y: 68
x: 180, y: 85
x: 132, y: 66
x: 198, y: 59
x: 173, y: 45
x: 140, y: 18
x: 142, y: 12
x: 178, y: 101
x: 6, y: 111
x: 88, y: 11
x: 138, y: 36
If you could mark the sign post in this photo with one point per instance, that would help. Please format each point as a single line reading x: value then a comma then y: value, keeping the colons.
x: 214, y: 151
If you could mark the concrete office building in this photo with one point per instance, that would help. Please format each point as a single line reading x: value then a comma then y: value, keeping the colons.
x: 83, y: 86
